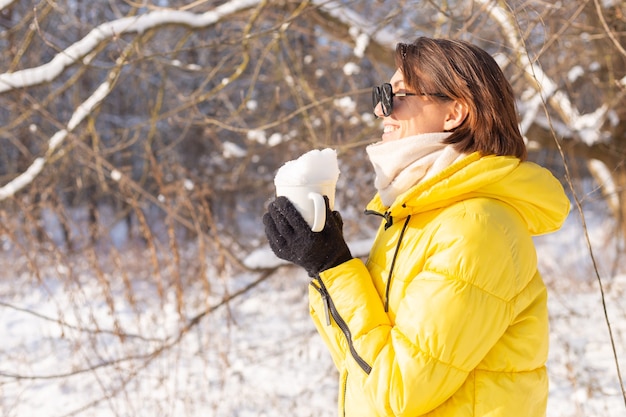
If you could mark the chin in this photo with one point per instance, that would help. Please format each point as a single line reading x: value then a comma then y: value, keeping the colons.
x: 391, y: 136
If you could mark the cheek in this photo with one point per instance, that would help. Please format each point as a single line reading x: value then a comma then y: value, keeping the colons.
x: 424, y: 122
x: 434, y: 118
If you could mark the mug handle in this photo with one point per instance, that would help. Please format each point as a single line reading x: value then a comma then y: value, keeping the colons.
x: 319, y: 206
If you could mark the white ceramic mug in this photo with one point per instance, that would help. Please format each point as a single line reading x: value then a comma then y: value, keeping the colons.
x: 309, y: 200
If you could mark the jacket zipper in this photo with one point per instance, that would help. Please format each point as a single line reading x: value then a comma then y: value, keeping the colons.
x: 388, y: 222
x: 329, y: 307
x: 393, y: 263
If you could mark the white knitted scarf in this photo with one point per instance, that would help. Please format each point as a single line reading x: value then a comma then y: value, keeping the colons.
x: 401, y: 164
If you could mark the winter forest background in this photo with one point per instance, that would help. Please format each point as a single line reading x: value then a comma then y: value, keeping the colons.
x: 138, y: 144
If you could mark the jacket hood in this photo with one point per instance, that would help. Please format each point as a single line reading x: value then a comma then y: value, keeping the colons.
x: 532, y: 190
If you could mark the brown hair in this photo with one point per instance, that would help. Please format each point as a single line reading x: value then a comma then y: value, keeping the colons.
x: 458, y: 70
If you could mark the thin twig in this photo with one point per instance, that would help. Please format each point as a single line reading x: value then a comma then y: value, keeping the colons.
x: 608, y: 30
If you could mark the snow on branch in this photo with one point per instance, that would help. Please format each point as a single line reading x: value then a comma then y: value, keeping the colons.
x: 588, y: 125
x: 57, y: 139
x: 79, y: 50
x: 5, y: 3
x: 359, y: 28
x: 136, y: 24
x: 604, y: 177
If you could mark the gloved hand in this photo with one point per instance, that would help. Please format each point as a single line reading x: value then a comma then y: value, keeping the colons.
x: 292, y: 239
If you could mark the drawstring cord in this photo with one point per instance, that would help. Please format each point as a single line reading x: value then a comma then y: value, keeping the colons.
x: 330, y: 310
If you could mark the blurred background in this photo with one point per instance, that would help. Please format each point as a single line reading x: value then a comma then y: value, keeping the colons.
x: 138, y: 144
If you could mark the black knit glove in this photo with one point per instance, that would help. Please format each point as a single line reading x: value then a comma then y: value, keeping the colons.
x: 292, y: 239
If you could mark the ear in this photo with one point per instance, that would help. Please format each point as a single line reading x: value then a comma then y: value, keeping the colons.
x: 456, y: 115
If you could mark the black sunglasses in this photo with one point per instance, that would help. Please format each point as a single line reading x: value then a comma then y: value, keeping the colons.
x: 384, y: 95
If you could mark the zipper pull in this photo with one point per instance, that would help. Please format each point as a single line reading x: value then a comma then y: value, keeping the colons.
x: 388, y: 220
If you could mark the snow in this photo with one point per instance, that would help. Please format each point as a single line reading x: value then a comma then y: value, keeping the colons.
x: 5, y: 3
x: 361, y: 41
x: 360, y: 29
x: 603, y: 176
x: 316, y: 166
x: 116, y: 175
x: 345, y: 104
x: 575, y: 73
x: 232, y: 150
x: 13, y: 186
x: 257, y: 136
x: 351, y: 68
x: 258, y: 355
x: 137, y: 24
x: 36, y: 167
x: 275, y: 139
x: 585, y: 126
x: 87, y: 107
x: 252, y: 105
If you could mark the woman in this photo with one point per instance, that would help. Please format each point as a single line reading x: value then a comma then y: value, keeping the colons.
x: 448, y: 316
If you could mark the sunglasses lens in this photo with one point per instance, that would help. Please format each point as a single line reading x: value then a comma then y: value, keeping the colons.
x: 383, y: 94
x: 386, y: 99
x: 375, y: 96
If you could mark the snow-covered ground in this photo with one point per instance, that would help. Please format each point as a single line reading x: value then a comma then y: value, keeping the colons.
x: 258, y: 355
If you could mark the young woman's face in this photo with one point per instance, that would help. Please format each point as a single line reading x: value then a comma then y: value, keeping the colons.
x: 413, y: 115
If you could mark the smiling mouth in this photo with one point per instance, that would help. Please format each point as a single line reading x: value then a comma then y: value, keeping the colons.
x: 389, y: 128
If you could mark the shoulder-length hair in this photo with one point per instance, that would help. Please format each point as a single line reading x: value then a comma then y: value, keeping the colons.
x: 456, y: 70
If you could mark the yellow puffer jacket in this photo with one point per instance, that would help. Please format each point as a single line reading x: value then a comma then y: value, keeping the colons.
x: 448, y: 317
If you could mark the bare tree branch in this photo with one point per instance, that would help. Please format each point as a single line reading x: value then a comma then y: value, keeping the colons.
x: 139, y: 24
